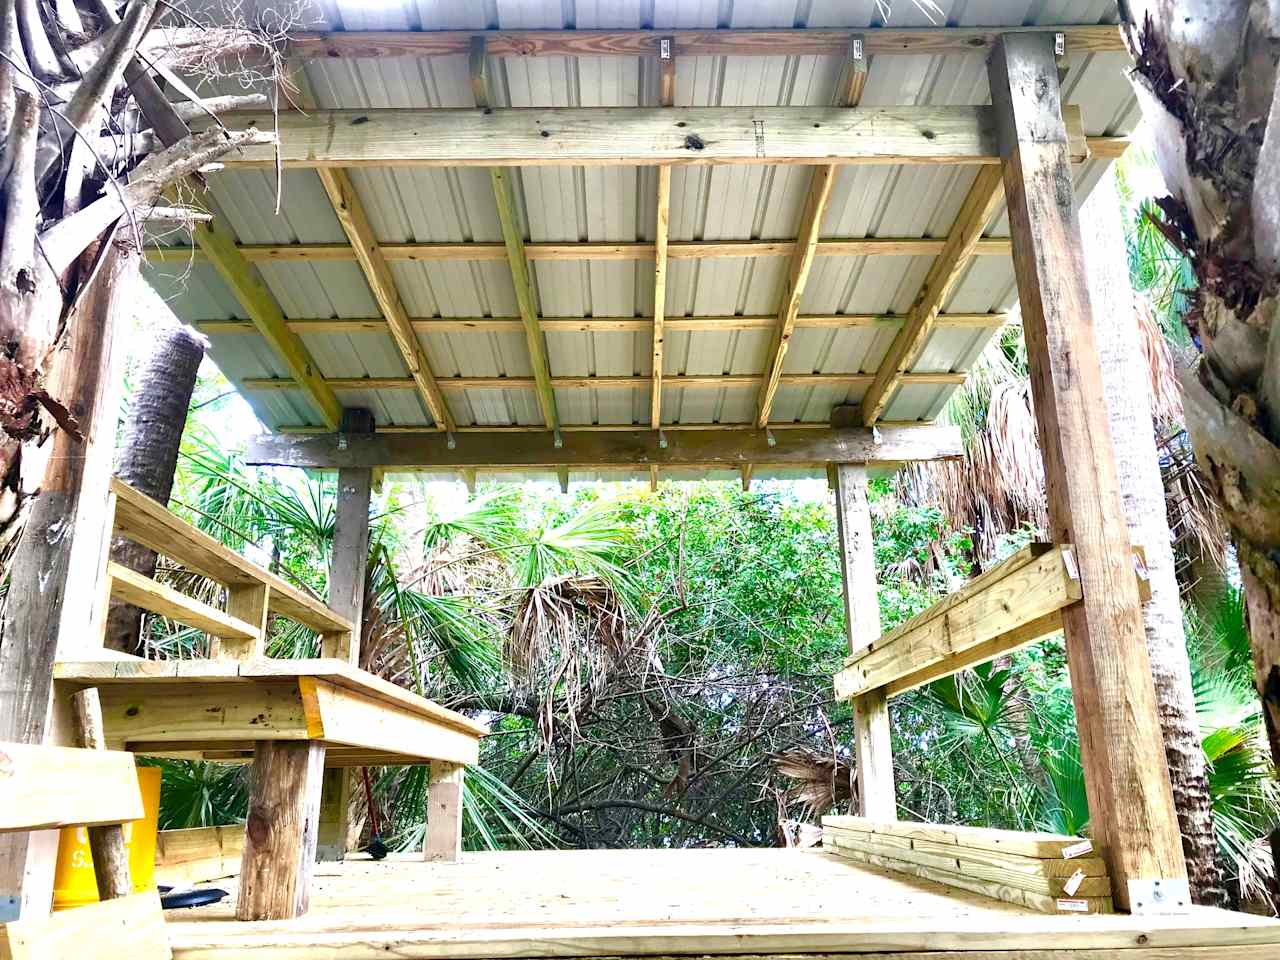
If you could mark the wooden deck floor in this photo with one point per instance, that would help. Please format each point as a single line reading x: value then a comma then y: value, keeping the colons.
x: 685, y: 902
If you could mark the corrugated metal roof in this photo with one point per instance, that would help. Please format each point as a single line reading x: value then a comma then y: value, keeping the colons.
x: 618, y: 204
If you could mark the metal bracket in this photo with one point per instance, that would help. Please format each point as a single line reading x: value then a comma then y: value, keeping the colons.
x: 559, y: 439
x: 1059, y: 44
x: 858, y: 53
x: 1154, y: 897
x: 450, y: 441
x: 664, y: 48
x: 770, y: 438
x: 342, y: 441
x: 662, y: 440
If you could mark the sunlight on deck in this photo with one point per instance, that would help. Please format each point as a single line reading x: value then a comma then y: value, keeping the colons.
x: 656, y: 902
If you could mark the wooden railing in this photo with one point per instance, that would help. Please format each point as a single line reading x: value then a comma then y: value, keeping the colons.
x: 1010, y: 606
x: 253, y: 594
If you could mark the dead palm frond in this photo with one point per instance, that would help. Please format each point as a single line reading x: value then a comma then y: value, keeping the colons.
x: 819, y: 782
x: 568, y: 635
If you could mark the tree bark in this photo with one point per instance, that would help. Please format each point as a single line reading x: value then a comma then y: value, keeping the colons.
x: 1206, y: 78
x: 1125, y: 381
x: 148, y: 452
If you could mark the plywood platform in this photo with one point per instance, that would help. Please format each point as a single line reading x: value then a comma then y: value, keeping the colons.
x: 680, y: 902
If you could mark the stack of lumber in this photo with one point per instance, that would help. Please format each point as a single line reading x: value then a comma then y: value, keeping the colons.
x: 200, y: 854
x: 1043, y: 871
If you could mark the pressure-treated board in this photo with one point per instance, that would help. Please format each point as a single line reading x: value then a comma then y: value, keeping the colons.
x: 199, y: 854
x: 1037, y: 870
x: 47, y: 787
x: 744, y: 902
x: 1009, y: 606
x: 629, y: 136
x: 142, y: 591
x: 375, y: 44
x: 126, y: 928
x: 144, y: 521
x: 218, y: 709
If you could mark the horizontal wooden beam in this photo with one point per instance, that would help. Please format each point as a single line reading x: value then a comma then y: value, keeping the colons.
x: 683, y: 250
x: 710, y: 381
x: 833, y: 321
x: 633, y: 448
x: 1082, y: 38
x: 141, y: 591
x: 46, y: 788
x: 631, y: 136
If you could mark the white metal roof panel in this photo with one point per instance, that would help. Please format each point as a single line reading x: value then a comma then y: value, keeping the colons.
x: 617, y: 204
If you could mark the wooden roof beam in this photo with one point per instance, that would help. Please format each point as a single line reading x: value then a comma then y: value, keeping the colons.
x: 853, y: 79
x: 513, y: 241
x: 979, y: 206
x: 833, y: 321
x: 349, y: 210
x: 630, y: 136
x: 637, y: 448
x: 661, y: 231
x: 712, y: 381
x: 1082, y: 38
x: 586, y: 250
x: 218, y: 244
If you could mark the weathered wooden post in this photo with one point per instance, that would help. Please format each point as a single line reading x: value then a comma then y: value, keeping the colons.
x: 1132, y: 817
x: 348, y: 566
x: 877, y: 796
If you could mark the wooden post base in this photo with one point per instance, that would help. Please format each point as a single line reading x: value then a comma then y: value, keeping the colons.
x: 444, y: 813
x: 335, y: 803
x: 280, y: 834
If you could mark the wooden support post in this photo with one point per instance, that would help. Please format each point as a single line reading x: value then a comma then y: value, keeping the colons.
x: 444, y: 813
x: 248, y: 602
x: 877, y: 795
x: 106, y: 843
x: 1132, y: 817
x: 280, y: 833
x: 348, y: 566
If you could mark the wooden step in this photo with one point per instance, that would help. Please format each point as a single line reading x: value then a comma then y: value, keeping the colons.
x: 132, y: 587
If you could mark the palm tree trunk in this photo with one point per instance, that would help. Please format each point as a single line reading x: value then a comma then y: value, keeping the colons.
x: 1206, y: 77
x: 148, y: 452
x: 1126, y: 380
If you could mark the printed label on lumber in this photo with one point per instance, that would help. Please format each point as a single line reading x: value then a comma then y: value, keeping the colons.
x: 1077, y: 850
x: 1073, y: 906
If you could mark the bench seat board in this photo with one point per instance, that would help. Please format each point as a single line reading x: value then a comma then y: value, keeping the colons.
x: 217, y: 709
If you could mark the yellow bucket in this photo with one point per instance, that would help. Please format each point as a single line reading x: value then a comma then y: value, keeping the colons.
x: 74, y: 883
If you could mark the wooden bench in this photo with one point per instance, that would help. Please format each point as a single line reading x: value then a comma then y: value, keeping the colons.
x: 1043, y: 871
x: 45, y: 788
x: 1013, y: 604
x: 220, y: 709
x: 291, y: 718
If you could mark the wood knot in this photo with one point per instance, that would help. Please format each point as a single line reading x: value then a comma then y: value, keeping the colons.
x: 694, y: 142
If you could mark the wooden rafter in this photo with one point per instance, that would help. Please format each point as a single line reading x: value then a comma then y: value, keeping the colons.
x: 832, y: 321
x: 661, y: 230
x: 513, y: 243
x: 216, y: 242
x: 631, y: 448
x: 350, y: 212
x: 983, y: 198
x: 1084, y: 38
x: 848, y: 92
x: 586, y: 250
x: 629, y: 136
x: 709, y: 381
